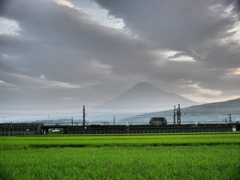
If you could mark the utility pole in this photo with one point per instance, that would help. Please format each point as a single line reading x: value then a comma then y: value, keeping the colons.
x: 179, y: 114
x: 84, y: 114
x: 230, y: 117
x: 174, y: 115
x: 114, y: 120
x: 72, y: 121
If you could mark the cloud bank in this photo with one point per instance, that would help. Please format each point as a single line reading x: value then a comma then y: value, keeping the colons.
x: 58, y: 52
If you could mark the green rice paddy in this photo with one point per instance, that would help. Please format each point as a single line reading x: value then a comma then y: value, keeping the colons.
x: 143, y: 156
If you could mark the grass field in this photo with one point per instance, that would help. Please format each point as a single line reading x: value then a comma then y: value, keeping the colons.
x: 154, y: 156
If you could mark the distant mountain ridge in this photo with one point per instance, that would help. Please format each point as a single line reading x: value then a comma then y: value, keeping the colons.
x: 139, y: 99
x: 210, y: 112
x: 224, y: 104
x: 144, y: 94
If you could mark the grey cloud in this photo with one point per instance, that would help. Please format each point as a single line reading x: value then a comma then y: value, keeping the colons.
x: 234, y: 3
x: 181, y: 25
x: 64, y: 45
x: 3, y: 5
x: 185, y: 26
x: 61, y: 44
x: 170, y: 24
x: 71, y: 49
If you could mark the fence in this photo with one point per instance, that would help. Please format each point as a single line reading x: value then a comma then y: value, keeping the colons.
x: 14, y: 129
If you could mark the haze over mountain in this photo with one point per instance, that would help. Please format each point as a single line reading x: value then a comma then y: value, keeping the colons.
x: 141, y: 98
x: 205, y: 113
x: 148, y: 96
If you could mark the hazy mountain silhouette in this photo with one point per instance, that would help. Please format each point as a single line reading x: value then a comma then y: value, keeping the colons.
x: 211, y: 112
x: 141, y: 98
x: 205, y: 113
x: 144, y: 94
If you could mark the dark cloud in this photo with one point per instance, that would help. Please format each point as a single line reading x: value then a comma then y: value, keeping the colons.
x: 64, y: 45
x: 3, y: 5
x: 200, y: 29
x: 171, y: 24
x: 234, y: 3
x: 61, y: 55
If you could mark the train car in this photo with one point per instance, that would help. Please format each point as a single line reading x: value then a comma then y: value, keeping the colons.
x: 158, y: 120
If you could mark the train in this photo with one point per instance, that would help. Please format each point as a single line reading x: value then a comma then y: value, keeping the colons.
x: 158, y: 120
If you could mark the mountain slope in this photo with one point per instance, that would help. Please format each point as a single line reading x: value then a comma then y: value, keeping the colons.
x: 141, y: 98
x: 144, y: 94
x: 211, y: 112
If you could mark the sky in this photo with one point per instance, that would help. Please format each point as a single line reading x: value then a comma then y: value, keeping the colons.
x: 66, y: 53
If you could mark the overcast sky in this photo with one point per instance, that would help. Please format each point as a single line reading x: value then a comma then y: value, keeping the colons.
x: 65, y: 53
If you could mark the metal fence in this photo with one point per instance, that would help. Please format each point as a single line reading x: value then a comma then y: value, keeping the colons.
x: 14, y: 129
